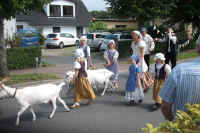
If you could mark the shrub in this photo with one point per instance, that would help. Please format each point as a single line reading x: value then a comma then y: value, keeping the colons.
x: 42, y: 38
x: 20, y: 58
x: 124, y: 49
x: 185, y: 122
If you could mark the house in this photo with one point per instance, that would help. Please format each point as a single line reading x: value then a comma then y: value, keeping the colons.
x: 117, y: 23
x: 66, y: 16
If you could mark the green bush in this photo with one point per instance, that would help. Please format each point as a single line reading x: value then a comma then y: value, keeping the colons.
x: 20, y: 58
x: 124, y: 49
x: 42, y: 38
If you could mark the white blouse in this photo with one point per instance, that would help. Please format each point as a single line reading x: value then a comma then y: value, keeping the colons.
x: 116, y: 55
x: 136, y: 47
x: 76, y: 65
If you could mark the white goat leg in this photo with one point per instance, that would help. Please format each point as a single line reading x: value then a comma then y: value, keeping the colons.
x: 63, y: 103
x: 54, y: 108
x: 105, y: 88
x: 20, y: 113
x: 33, y: 113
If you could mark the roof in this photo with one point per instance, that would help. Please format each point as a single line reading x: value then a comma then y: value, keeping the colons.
x: 39, y: 18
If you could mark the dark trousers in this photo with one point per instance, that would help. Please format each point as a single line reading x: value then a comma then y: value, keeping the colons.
x: 147, y: 59
x: 171, y: 56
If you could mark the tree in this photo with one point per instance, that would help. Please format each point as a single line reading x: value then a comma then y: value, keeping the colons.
x: 8, y: 9
x: 142, y: 10
x: 96, y: 26
x: 172, y: 11
x: 186, y: 11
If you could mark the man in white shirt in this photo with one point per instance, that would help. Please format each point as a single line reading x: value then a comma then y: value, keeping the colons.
x: 149, y: 45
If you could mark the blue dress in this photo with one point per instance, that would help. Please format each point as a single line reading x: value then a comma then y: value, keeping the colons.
x: 131, y: 82
x: 132, y: 92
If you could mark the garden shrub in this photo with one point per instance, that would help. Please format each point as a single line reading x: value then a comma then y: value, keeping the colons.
x: 124, y: 49
x: 20, y: 58
x: 184, y: 122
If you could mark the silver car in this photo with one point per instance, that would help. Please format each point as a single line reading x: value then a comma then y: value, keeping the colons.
x: 60, y: 40
x: 94, y: 39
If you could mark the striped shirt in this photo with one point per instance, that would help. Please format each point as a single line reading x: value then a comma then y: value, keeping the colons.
x: 182, y: 86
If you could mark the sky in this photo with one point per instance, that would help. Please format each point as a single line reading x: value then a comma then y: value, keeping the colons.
x: 95, y: 5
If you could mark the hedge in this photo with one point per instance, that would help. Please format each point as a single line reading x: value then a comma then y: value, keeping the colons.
x: 124, y: 48
x: 20, y: 58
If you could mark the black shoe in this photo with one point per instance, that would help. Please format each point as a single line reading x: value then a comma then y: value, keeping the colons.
x: 156, y: 106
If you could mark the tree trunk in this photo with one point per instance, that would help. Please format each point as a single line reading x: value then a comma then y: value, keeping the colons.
x: 3, y: 56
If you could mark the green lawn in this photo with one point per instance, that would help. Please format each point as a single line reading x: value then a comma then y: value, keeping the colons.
x: 22, y: 78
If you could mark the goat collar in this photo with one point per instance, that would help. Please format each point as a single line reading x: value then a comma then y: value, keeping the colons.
x: 14, y: 93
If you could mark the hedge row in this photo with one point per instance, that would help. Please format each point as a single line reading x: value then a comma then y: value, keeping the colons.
x: 20, y: 58
x: 124, y: 48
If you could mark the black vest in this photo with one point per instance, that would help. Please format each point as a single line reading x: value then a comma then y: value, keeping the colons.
x: 162, y: 73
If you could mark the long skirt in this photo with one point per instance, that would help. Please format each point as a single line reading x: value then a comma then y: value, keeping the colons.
x: 135, y: 95
x: 158, y: 83
x: 83, y: 90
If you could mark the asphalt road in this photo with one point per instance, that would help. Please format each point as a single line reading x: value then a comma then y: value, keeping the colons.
x: 108, y: 114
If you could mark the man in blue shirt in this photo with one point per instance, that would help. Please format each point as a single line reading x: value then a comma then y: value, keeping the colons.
x: 181, y: 87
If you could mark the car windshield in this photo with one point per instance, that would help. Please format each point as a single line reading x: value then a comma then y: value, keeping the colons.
x: 110, y: 37
x: 51, y: 36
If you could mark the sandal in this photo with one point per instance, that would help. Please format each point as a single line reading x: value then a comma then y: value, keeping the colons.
x: 75, y: 106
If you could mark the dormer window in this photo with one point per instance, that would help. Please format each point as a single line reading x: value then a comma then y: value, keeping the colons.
x: 67, y: 11
x: 55, y: 11
x: 60, y: 10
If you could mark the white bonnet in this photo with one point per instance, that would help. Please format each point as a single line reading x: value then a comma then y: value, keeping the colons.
x: 83, y: 38
x: 111, y: 42
x: 138, y: 33
x: 159, y: 56
x: 78, y: 53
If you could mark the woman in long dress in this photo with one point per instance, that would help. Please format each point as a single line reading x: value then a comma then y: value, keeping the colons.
x: 83, y: 89
x: 138, y: 49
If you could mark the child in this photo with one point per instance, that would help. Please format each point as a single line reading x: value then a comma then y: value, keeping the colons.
x: 83, y: 89
x: 133, y: 83
x: 159, y: 72
x: 111, y: 55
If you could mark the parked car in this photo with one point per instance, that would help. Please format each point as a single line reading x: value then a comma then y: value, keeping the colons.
x: 60, y: 40
x: 117, y: 37
x: 30, y: 37
x: 94, y: 39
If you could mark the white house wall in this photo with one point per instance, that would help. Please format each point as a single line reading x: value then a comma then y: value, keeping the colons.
x: 9, y: 28
x: 66, y: 29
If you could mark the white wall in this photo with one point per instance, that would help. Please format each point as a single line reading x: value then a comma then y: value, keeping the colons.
x: 64, y: 29
x: 9, y: 28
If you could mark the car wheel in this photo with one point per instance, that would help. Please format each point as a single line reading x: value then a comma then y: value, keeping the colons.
x: 99, y: 47
x: 61, y: 45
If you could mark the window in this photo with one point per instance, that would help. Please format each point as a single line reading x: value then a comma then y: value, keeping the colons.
x: 55, y: 11
x: 19, y: 27
x: 67, y: 11
x: 69, y: 36
x: 56, y: 29
x: 120, y: 26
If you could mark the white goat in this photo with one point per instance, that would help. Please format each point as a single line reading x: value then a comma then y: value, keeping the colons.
x: 29, y: 96
x: 97, y: 78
